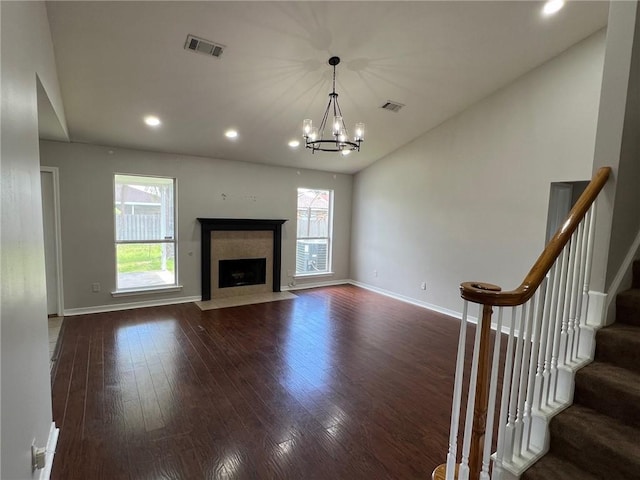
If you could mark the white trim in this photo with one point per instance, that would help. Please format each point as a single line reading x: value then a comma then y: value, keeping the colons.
x: 52, y: 441
x: 614, y: 288
x: 145, y: 291
x: 128, y: 306
x: 428, y: 306
x: 302, y: 286
x: 313, y: 275
x: 413, y: 301
x: 57, y: 233
x: 597, y: 308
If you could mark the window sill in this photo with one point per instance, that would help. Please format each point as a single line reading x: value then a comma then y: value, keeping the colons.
x: 146, y: 291
x: 314, y: 275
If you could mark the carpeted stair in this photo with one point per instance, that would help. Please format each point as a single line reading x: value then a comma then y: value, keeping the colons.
x: 598, y: 437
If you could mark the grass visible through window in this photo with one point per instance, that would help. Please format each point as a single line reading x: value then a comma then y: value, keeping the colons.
x: 142, y: 258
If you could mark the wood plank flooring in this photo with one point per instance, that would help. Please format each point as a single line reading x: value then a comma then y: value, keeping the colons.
x: 340, y: 383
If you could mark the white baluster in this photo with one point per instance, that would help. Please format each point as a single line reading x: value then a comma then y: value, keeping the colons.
x: 583, y: 304
x: 524, y: 379
x: 589, y: 262
x: 495, y: 365
x: 584, y: 225
x: 457, y: 395
x: 504, y: 401
x: 576, y: 290
x: 515, y: 383
x: 559, y: 322
x: 463, y: 473
x: 534, y: 369
x: 544, y: 357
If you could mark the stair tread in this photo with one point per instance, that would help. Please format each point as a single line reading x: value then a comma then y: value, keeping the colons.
x: 577, y: 415
x: 553, y: 467
x: 609, y: 389
x: 628, y: 306
x: 607, y: 446
x: 611, y: 375
x: 623, y: 329
x: 629, y: 297
x: 619, y: 344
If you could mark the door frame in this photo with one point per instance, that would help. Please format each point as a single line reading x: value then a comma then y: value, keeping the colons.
x: 57, y: 233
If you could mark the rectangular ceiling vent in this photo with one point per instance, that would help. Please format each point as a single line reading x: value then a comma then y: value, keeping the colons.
x: 392, y: 106
x: 200, y: 45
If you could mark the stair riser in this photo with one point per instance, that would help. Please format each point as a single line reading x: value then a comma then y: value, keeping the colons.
x: 619, y: 351
x: 598, y: 458
x: 608, y: 400
x: 628, y: 314
x: 636, y: 274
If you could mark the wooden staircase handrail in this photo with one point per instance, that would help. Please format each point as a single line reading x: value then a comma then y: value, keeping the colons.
x: 486, y: 294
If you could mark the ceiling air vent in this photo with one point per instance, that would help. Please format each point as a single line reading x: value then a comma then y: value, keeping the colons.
x: 200, y: 45
x: 392, y: 106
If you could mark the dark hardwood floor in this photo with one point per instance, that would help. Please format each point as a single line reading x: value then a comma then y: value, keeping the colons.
x: 340, y: 383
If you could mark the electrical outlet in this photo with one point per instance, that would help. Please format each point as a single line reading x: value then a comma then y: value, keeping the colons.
x: 423, y: 286
x: 95, y: 287
x: 38, y: 457
x: 375, y: 273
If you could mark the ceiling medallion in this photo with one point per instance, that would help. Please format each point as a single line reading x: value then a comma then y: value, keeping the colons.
x: 338, y: 140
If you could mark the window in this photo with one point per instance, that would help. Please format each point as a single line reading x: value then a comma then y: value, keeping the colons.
x: 145, y: 237
x: 313, y: 245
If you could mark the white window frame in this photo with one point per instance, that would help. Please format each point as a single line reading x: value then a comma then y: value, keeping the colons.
x: 329, y: 236
x: 175, y: 286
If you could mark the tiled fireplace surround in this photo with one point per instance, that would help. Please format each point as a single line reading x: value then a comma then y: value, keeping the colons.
x: 236, y: 238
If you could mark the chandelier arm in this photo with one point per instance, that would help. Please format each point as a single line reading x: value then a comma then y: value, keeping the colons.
x: 340, y: 112
x: 323, y: 123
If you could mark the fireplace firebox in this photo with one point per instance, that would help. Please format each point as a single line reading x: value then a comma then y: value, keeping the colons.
x: 241, y: 272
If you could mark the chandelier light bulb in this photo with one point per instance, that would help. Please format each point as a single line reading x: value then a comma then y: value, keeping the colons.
x: 337, y: 124
x: 313, y: 136
x: 359, y: 132
x: 307, y: 126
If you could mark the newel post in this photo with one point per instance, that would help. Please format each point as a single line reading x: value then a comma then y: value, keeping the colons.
x: 482, y: 395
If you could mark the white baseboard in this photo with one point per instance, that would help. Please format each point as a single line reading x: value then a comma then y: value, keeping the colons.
x: 428, y: 306
x: 404, y: 298
x: 52, y: 441
x: 128, y: 306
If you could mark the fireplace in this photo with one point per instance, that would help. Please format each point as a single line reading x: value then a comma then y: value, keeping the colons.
x: 239, y: 240
x: 242, y: 272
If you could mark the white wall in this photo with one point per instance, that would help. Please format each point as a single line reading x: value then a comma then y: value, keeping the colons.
x: 468, y: 200
x: 27, y: 51
x: 86, y: 190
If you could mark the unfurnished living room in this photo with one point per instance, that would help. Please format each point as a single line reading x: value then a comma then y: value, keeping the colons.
x: 320, y: 240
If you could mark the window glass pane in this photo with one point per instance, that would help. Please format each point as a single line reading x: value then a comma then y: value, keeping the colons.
x: 144, y: 208
x: 313, y: 252
x: 145, y: 265
x: 303, y: 222
x: 312, y: 256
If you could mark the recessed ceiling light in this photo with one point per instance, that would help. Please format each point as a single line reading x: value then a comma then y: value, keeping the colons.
x: 552, y: 6
x: 152, y: 120
x: 294, y: 143
x: 231, y: 134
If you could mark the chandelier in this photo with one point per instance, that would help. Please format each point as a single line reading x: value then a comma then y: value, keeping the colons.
x: 338, y: 140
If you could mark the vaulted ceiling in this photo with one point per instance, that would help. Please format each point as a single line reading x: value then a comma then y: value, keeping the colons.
x: 120, y: 61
